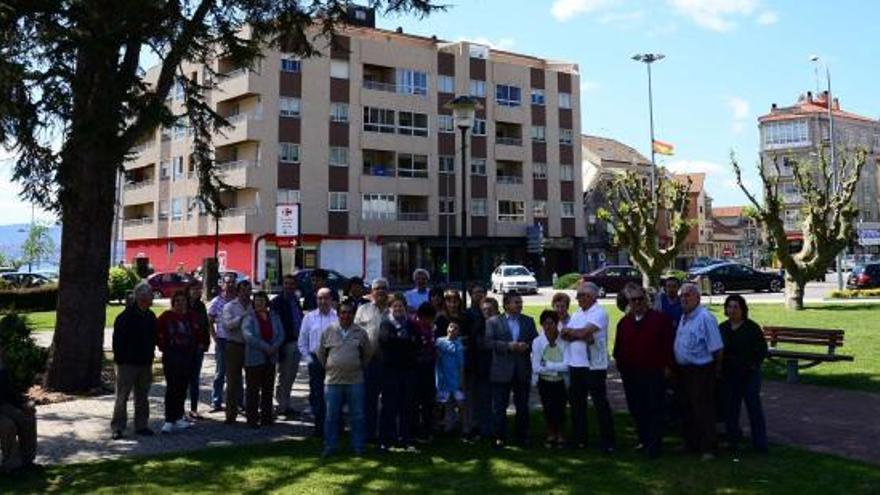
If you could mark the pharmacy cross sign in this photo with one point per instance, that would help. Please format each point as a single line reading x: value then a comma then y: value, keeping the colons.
x: 287, y: 220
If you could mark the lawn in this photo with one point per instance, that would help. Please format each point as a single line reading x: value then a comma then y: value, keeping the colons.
x: 44, y: 321
x: 860, y: 321
x: 450, y: 467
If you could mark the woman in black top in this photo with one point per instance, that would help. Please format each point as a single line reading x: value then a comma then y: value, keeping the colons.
x: 744, y: 351
x: 399, y: 341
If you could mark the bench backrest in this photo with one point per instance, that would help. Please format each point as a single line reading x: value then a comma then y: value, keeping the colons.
x: 831, y: 338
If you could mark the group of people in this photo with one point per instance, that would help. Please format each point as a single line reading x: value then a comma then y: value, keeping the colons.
x: 407, y: 366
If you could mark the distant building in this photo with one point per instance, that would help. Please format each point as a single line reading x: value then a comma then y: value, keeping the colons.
x: 735, y: 236
x: 698, y: 243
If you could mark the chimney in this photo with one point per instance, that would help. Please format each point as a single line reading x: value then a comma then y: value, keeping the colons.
x: 399, y: 30
x: 836, y: 104
x: 809, y: 97
x: 773, y: 107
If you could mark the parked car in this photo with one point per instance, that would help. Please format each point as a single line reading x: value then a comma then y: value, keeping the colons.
x: 865, y: 276
x: 851, y: 261
x: 513, y: 278
x: 52, y: 275
x: 703, y: 262
x: 24, y: 280
x: 611, y: 279
x: 235, y: 273
x: 727, y: 277
x: 164, y: 284
x: 335, y: 281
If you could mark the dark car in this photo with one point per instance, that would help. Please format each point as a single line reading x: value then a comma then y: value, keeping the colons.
x: 727, y: 277
x: 335, y: 281
x: 613, y: 278
x: 704, y: 262
x: 865, y: 276
x: 24, y: 280
x: 164, y: 284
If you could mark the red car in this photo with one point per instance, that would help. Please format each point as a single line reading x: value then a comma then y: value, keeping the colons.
x: 613, y: 278
x: 164, y: 284
x: 864, y: 276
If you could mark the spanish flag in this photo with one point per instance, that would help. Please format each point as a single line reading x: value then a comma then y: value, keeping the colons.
x: 662, y: 148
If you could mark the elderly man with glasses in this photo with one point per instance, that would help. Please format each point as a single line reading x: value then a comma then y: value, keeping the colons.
x: 587, y: 358
x: 643, y: 354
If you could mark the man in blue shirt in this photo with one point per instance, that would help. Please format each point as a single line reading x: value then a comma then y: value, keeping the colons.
x: 418, y: 294
x: 698, y: 347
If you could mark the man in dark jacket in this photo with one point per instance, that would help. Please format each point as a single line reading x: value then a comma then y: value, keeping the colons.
x: 134, y: 339
x: 286, y: 305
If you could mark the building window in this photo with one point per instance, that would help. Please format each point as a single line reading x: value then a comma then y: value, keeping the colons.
x: 564, y: 100
x: 412, y: 165
x: 338, y: 156
x: 445, y: 124
x: 412, y: 124
x: 478, y: 207
x: 566, y: 172
x: 378, y: 120
x: 163, y: 209
x: 565, y: 136
x: 289, y: 107
x: 539, y: 133
x: 339, y: 69
x: 339, y: 112
x: 287, y: 196
x: 539, y: 170
x: 378, y: 207
x: 478, y: 166
x: 290, y: 64
x: 539, y: 209
x: 178, y: 132
x: 177, y: 167
x: 784, y: 134
x: 508, y: 96
x: 164, y: 170
x: 446, y: 84
x: 446, y: 205
x: 478, y: 88
x: 511, y: 211
x: 538, y: 97
x: 446, y: 164
x: 412, y: 82
x: 567, y: 209
x: 338, y: 201
x: 479, y: 127
x: 176, y: 209
x: 288, y: 152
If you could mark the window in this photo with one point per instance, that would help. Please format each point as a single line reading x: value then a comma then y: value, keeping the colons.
x: 379, y: 120
x: 289, y: 107
x: 412, y: 82
x: 566, y: 172
x: 539, y: 209
x: 412, y: 124
x: 446, y: 164
x: 339, y: 112
x: 479, y: 127
x: 478, y: 207
x: 378, y: 207
x: 539, y: 133
x: 564, y: 100
x: 338, y: 156
x: 445, y: 123
x: 290, y: 64
x: 287, y: 196
x: 412, y: 165
x: 163, y: 209
x: 565, y: 136
x: 567, y: 209
x: 785, y: 134
x: 176, y: 209
x: 178, y: 132
x: 478, y: 166
x: 164, y: 170
x: 538, y: 97
x: 539, y: 170
x: 508, y: 96
x: 511, y: 211
x: 446, y: 84
x: 338, y: 201
x: 446, y: 205
x: 288, y: 152
x: 177, y: 168
x: 339, y: 69
x: 478, y: 88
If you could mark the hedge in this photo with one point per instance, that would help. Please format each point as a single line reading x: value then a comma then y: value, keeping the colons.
x: 567, y: 281
x: 27, y: 300
x: 24, y: 359
x: 855, y: 293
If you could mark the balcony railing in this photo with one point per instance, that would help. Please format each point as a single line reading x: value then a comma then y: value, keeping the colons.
x: 235, y: 165
x: 139, y: 149
x: 243, y: 117
x: 132, y: 186
x: 242, y: 211
x: 137, y: 222
x: 380, y: 86
x: 510, y: 141
x: 416, y: 216
x: 405, y: 89
x: 233, y: 74
x: 509, y: 179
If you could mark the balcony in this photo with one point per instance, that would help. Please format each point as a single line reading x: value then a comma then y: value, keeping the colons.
x: 240, y: 220
x: 509, y: 179
x: 508, y: 172
x: 508, y: 133
x: 139, y: 192
x: 138, y: 227
x: 237, y: 172
x: 509, y: 141
x: 245, y: 127
x: 412, y: 208
x: 134, y: 186
x: 379, y: 163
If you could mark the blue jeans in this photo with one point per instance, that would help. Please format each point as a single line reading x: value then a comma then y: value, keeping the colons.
x: 316, y: 392
x: 194, y: 381
x: 336, y: 396
x: 220, y: 374
x: 744, y: 386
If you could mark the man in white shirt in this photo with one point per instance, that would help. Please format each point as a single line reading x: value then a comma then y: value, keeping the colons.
x: 587, y: 358
x: 418, y: 294
x: 313, y: 325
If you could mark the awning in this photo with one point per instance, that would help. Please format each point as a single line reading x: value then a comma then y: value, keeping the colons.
x: 869, y: 237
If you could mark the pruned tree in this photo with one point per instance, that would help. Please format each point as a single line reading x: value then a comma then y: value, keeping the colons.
x: 637, y: 216
x: 74, y: 101
x: 827, y: 214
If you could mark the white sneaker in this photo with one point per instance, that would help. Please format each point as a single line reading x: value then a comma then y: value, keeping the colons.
x: 181, y: 424
x: 168, y: 427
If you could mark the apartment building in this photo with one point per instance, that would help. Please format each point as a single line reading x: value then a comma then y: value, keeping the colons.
x: 362, y: 139
x: 796, y: 132
x: 698, y: 243
x: 735, y: 236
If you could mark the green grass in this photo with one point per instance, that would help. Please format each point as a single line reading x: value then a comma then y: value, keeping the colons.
x: 44, y: 321
x: 862, y: 340
x: 450, y: 467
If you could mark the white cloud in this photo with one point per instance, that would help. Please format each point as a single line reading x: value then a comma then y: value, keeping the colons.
x: 695, y: 166
x: 498, y: 44
x: 715, y: 15
x: 590, y: 86
x: 623, y: 19
x: 767, y: 18
x: 740, y: 109
x: 564, y: 10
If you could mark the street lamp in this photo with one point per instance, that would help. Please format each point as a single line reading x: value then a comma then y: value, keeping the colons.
x: 464, y: 110
x: 648, y: 59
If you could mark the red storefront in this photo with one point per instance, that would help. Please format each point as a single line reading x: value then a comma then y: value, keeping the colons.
x: 235, y: 252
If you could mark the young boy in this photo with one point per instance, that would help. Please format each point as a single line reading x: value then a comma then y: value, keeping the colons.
x: 450, y: 361
x: 549, y: 373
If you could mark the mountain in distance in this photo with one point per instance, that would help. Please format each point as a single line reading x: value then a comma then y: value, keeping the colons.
x: 12, y: 238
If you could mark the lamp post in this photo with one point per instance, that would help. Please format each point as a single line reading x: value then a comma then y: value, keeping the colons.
x: 464, y: 109
x: 648, y: 59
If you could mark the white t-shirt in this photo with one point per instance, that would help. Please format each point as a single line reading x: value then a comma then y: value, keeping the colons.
x: 594, y: 356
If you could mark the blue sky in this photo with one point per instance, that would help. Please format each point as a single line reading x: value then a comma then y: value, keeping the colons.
x: 727, y: 61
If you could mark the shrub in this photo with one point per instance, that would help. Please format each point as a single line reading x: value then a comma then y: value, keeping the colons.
x: 120, y: 282
x: 567, y: 281
x: 43, y: 298
x: 854, y: 293
x: 22, y: 357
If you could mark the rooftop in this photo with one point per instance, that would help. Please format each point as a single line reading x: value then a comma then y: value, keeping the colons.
x: 608, y: 149
x: 809, y: 105
x: 697, y: 181
x: 727, y: 211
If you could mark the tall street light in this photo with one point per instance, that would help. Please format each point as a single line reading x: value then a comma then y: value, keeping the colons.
x: 464, y: 110
x: 648, y: 59
x: 835, y: 181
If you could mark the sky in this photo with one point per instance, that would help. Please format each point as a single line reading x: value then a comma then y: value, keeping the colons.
x: 726, y: 62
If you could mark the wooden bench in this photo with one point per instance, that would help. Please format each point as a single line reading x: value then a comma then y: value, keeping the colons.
x: 831, y: 339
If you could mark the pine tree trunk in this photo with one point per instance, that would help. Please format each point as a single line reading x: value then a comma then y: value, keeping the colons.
x: 794, y: 292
